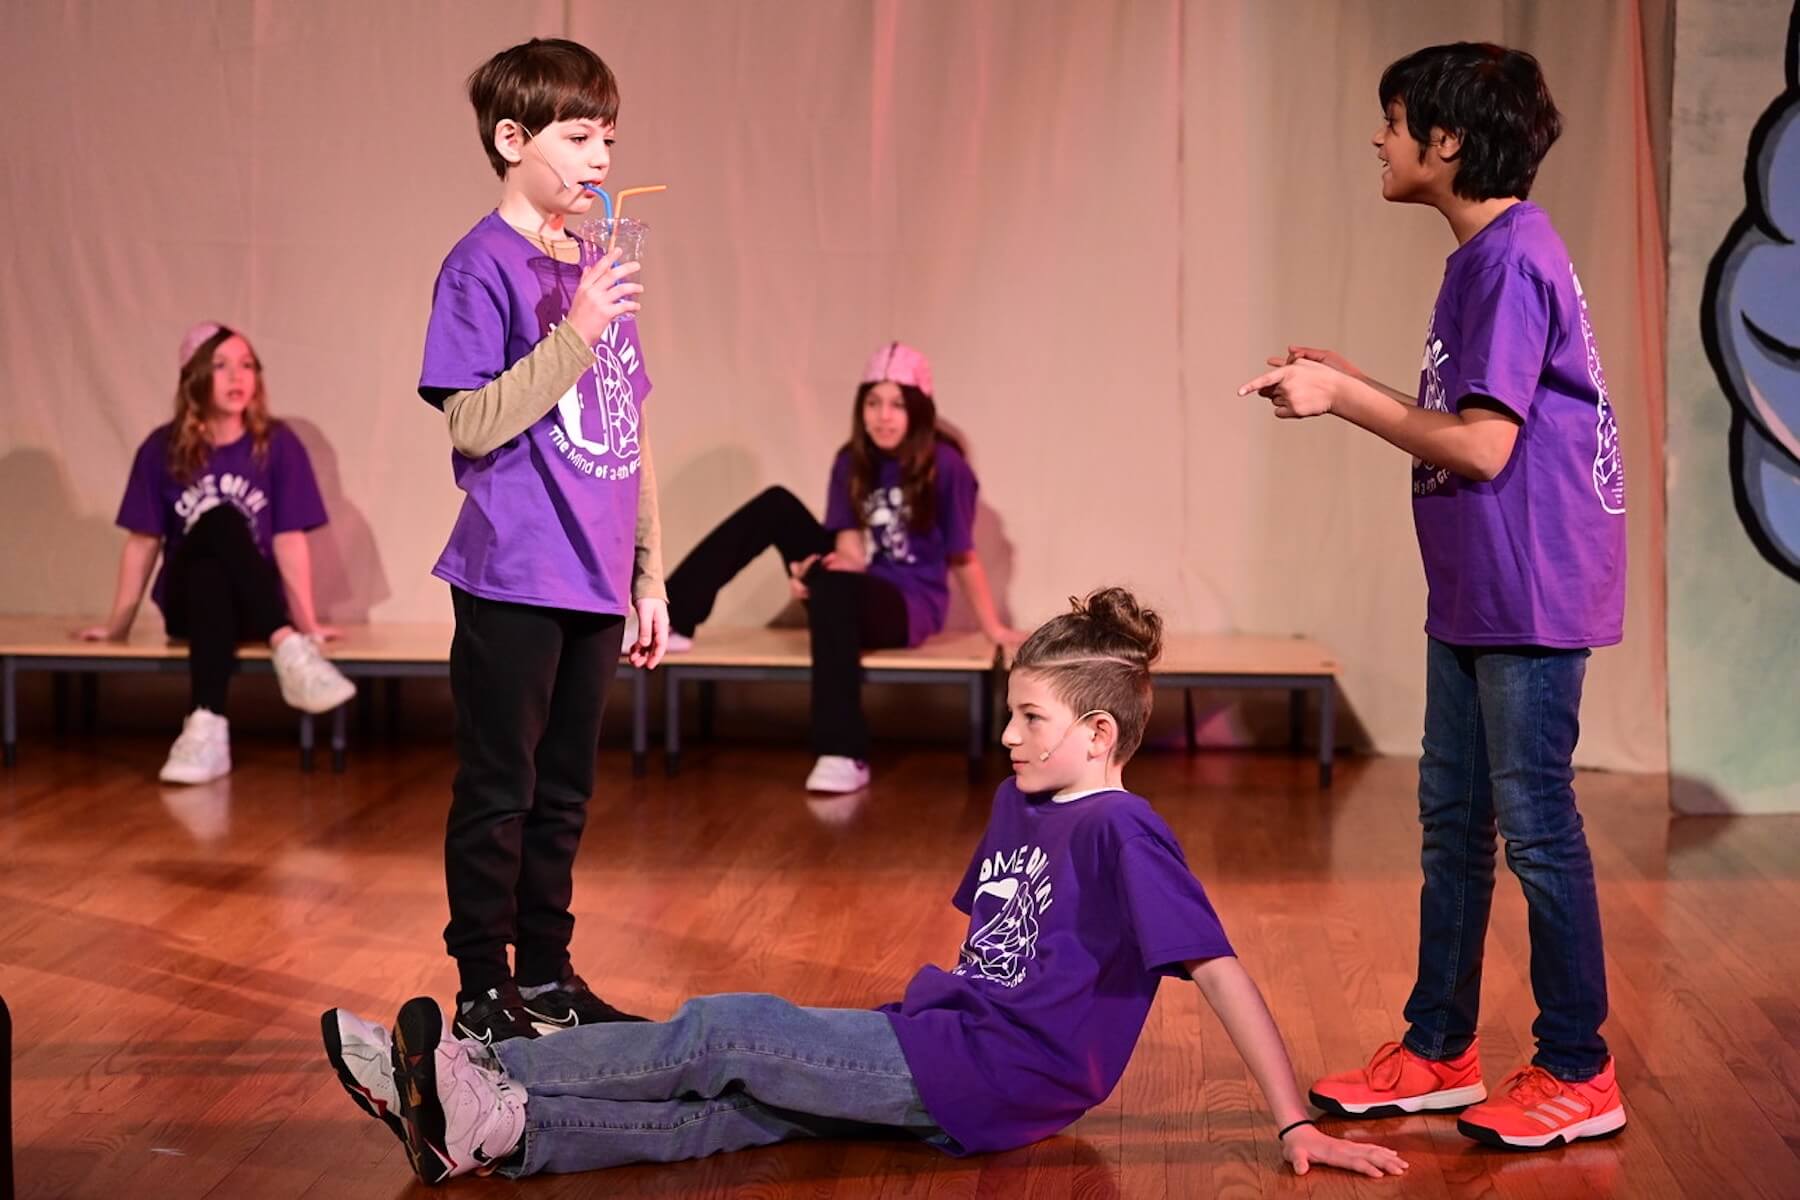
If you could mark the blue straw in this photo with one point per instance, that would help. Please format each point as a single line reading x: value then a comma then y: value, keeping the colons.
x: 604, y: 198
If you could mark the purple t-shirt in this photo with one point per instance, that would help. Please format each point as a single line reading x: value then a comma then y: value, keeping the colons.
x: 917, y: 561
x: 275, y: 494
x: 550, y: 518
x: 1537, y: 556
x: 1076, y: 912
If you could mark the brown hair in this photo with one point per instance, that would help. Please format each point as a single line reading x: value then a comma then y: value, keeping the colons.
x: 537, y: 83
x: 917, y: 455
x: 188, y: 441
x: 1098, y: 656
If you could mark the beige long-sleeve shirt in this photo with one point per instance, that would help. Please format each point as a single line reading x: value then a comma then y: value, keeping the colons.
x: 483, y: 420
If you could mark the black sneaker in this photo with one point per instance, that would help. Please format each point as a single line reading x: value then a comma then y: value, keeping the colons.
x: 496, y: 1015
x: 571, y: 1003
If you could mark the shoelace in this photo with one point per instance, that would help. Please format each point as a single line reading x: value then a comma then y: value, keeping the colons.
x: 1383, y: 1071
x: 1530, y: 1085
x: 190, y: 747
x: 311, y: 661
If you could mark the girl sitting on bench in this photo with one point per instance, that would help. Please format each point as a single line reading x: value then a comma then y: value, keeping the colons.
x: 225, y: 495
x: 899, y: 520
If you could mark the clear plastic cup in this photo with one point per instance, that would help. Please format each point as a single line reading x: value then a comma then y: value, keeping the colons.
x: 597, y: 232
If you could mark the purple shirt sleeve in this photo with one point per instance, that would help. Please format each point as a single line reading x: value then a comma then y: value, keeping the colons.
x: 956, y: 503
x: 465, y: 338
x: 141, y: 510
x: 295, y: 502
x: 1170, y: 916
x: 964, y: 899
x: 838, y: 512
x: 1505, y: 336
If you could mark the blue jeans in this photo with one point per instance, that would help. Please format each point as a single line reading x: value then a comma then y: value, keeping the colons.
x: 1500, y: 731
x: 724, y: 1073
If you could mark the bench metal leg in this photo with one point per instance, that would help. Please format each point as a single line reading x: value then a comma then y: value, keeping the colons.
x: 1187, y: 719
x: 340, y: 742
x: 672, y: 723
x: 1327, y: 730
x: 640, y: 723
x: 306, y: 742
x: 9, y: 721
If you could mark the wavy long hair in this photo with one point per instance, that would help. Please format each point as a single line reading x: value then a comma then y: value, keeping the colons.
x: 916, y: 453
x: 189, y: 443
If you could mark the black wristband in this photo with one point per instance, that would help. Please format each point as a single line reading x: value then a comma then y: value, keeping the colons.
x: 1282, y: 1136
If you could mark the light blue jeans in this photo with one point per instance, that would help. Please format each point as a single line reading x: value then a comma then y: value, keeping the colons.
x: 724, y: 1073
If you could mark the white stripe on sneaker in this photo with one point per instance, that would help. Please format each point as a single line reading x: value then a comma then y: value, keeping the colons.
x: 1604, y: 1123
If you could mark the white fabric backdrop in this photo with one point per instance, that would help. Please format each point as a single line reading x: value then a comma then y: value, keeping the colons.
x: 1096, y: 217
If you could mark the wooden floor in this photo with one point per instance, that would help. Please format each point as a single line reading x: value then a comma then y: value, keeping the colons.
x: 167, y: 952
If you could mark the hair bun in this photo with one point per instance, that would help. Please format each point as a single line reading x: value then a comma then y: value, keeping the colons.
x: 1122, y: 624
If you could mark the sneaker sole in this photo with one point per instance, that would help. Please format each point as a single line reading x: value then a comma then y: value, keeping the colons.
x: 1607, y: 1124
x: 547, y: 1024
x: 486, y: 1036
x: 334, y: 1050
x: 417, y: 1032
x: 1447, y: 1100
x: 324, y: 704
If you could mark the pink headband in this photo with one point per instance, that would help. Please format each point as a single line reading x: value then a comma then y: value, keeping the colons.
x: 899, y: 363
x: 195, y: 338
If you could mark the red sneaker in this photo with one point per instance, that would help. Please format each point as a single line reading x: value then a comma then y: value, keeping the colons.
x: 1397, y: 1082
x: 1535, y: 1111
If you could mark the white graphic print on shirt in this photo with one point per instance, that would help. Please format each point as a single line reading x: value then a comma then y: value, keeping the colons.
x: 1014, y: 892
x: 887, y: 518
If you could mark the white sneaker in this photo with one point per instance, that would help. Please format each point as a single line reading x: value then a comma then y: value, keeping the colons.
x: 462, y: 1114
x: 679, y: 643
x: 203, y: 751
x: 308, y: 680
x: 363, y: 1057
x: 836, y: 774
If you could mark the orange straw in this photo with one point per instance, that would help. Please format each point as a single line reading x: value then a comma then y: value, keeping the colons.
x: 619, y: 209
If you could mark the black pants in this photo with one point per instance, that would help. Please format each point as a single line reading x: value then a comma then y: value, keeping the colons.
x: 219, y: 590
x: 530, y: 688
x: 847, y: 612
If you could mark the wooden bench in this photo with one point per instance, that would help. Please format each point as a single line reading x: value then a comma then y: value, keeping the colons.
x: 723, y: 655
x: 1240, y: 660
x: 386, y: 651
x: 422, y: 649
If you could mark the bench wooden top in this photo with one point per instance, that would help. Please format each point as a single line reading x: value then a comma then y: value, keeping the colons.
x: 429, y: 642
x: 1243, y: 654
x: 749, y: 647
x: 53, y: 637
